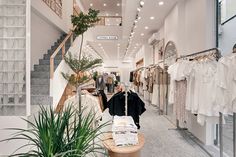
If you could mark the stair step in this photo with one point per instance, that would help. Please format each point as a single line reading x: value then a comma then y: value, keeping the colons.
x: 40, y: 90
x: 40, y: 74
x: 40, y: 81
x: 43, y: 67
x: 47, y: 56
x: 41, y: 100
x: 47, y: 61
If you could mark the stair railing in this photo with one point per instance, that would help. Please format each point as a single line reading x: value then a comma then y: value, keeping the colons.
x: 61, y: 47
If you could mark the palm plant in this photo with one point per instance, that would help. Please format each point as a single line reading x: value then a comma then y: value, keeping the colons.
x: 57, y: 135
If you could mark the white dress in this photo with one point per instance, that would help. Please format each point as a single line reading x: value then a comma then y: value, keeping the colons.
x: 90, y: 105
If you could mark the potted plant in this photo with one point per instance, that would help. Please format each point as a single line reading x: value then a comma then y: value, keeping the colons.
x: 57, y: 135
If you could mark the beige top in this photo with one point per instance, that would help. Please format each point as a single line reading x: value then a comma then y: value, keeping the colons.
x: 109, y: 143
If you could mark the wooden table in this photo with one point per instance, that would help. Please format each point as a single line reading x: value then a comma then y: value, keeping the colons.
x: 126, y: 151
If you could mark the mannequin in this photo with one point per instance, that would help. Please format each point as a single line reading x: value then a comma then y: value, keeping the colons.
x: 100, y: 85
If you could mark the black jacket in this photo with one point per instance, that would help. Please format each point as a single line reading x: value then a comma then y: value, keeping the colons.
x: 136, y: 106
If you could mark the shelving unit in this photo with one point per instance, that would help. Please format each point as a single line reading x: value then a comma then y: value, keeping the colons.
x: 13, y: 57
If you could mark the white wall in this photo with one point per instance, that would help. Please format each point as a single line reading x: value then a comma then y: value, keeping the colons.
x: 191, y: 26
x: 228, y: 37
x: 43, y: 36
x: 63, y: 23
x: 7, y: 148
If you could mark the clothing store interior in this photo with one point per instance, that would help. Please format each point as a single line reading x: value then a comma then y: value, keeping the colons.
x: 118, y: 78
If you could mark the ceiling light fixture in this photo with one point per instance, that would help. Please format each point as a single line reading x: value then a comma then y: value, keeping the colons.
x: 117, y: 14
x: 104, y: 4
x: 141, y: 3
x: 161, y: 3
x: 138, y: 9
x: 107, y: 14
x: 142, y: 34
x: 91, y: 4
x: 139, y: 18
x: 152, y: 17
x: 118, y: 4
x: 146, y: 27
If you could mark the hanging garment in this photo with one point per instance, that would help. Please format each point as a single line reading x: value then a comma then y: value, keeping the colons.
x: 150, y: 81
x: 226, y: 84
x: 179, y: 104
x: 131, y: 75
x: 104, y: 99
x: 100, y: 83
x: 89, y: 105
x: 145, y: 82
x: 155, y: 96
x: 136, y: 106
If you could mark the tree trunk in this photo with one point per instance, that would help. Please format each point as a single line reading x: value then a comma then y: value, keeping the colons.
x: 81, y: 46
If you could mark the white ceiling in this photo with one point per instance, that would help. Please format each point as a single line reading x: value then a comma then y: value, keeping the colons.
x: 110, y: 8
x: 109, y: 49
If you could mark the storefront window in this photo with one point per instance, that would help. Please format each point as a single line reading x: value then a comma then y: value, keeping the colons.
x: 227, y: 10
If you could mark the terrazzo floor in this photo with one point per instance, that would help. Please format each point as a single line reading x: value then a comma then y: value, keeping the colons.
x: 161, y: 140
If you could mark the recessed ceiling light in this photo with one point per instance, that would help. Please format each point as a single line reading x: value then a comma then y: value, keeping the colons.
x: 138, y: 9
x: 91, y: 4
x: 142, y: 34
x: 146, y: 27
x: 161, y: 3
x: 117, y: 14
x: 136, y: 21
x: 141, y: 3
x: 104, y: 4
x: 139, y: 17
x: 118, y: 4
x: 152, y: 17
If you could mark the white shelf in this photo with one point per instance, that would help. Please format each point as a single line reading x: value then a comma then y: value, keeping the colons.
x: 12, y: 93
x: 12, y: 26
x: 11, y: 60
x: 12, y: 15
x: 19, y: 71
x: 12, y: 48
x: 5, y: 5
x: 17, y: 105
x: 12, y: 83
x: 12, y: 37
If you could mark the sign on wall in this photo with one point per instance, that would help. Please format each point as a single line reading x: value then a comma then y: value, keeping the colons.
x: 107, y: 37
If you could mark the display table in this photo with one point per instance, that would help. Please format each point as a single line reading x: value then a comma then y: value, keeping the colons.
x: 126, y: 151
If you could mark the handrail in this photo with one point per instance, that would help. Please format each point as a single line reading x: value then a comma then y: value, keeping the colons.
x: 62, y: 47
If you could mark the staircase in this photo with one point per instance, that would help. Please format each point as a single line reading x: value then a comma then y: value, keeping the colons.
x: 40, y: 76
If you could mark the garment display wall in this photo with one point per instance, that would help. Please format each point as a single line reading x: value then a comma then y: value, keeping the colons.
x: 13, y: 57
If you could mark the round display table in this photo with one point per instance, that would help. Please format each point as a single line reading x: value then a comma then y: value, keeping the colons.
x: 125, y: 151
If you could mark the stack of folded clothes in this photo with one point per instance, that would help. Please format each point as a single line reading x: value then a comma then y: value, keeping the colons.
x: 124, y: 131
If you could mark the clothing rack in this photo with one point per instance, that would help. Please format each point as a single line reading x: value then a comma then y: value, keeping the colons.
x: 218, y: 56
x: 201, y: 52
